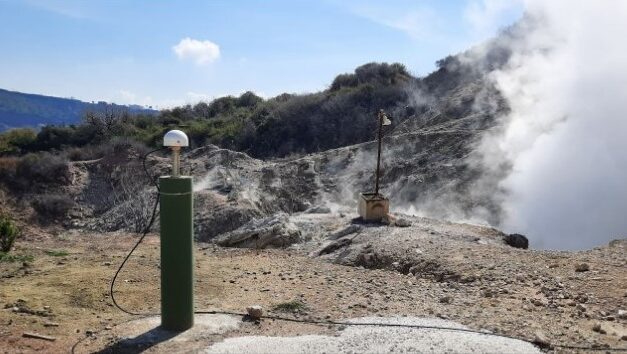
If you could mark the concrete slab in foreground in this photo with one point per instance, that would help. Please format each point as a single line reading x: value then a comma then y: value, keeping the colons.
x: 373, y: 339
x: 208, y: 336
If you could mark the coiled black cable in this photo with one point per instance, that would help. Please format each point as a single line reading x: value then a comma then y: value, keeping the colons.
x: 151, y: 221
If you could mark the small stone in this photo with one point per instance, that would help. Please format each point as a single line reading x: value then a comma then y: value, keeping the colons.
x: 597, y: 328
x: 583, y: 267
x: 446, y: 299
x: 108, y: 328
x: 255, y: 312
x: 107, y: 263
x: 541, y: 340
x: 581, y: 307
x: 622, y: 314
x: 537, y: 302
x: 400, y: 222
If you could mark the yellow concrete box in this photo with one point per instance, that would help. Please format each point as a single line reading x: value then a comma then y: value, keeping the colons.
x: 373, y: 207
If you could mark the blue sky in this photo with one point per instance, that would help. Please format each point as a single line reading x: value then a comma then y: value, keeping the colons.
x: 163, y: 53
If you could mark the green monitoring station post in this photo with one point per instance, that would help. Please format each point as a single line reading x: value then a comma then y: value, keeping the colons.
x: 177, y: 242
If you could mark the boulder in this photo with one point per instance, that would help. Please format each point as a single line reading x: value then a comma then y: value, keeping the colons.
x: 351, y: 229
x: 517, y: 241
x: 272, y: 232
x: 332, y: 246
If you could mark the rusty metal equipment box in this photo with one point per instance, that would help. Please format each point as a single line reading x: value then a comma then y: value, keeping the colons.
x: 373, y: 206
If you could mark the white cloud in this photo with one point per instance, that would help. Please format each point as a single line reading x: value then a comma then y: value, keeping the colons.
x: 418, y: 22
x: 485, y: 16
x: 201, y: 52
x: 73, y: 9
x: 129, y: 97
x: 198, y: 96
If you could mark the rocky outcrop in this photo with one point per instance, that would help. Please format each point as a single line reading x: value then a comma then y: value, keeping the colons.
x: 271, y: 232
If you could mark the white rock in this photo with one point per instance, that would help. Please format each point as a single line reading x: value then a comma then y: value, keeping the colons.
x: 255, y: 311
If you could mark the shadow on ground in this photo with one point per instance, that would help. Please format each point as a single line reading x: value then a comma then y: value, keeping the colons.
x: 141, y: 342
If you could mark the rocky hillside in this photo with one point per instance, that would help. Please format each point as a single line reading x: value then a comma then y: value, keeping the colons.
x: 428, y: 167
x: 291, y: 152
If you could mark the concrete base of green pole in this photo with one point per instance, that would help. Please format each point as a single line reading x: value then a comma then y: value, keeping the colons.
x: 177, y: 257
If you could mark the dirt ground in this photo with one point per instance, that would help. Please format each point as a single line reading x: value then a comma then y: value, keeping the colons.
x: 64, y: 293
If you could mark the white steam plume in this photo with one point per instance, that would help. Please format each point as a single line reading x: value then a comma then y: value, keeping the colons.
x: 566, y: 135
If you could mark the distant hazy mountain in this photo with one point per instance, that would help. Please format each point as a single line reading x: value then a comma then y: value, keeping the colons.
x: 22, y: 109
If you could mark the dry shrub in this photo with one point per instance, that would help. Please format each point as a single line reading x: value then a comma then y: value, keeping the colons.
x: 8, y: 166
x: 132, y: 198
x: 85, y: 153
x: 52, y: 206
x: 34, y: 170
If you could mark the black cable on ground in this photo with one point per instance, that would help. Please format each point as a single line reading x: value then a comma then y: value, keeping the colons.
x: 151, y: 221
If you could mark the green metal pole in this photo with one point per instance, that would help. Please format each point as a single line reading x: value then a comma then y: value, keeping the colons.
x: 177, y: 260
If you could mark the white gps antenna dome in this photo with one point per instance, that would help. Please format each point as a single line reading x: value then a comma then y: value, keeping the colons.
x: 175, y: 138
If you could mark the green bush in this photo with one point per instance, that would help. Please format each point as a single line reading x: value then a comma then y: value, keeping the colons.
x: 290, y: 306
x: 57, y: 253
x: 8, y: 233
x: 17, y: 140
x: 10, y: 258
x: 344, y: 80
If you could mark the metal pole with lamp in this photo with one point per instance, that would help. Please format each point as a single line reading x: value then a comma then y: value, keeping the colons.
x: 383, y: 120
x: 374, y: 206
